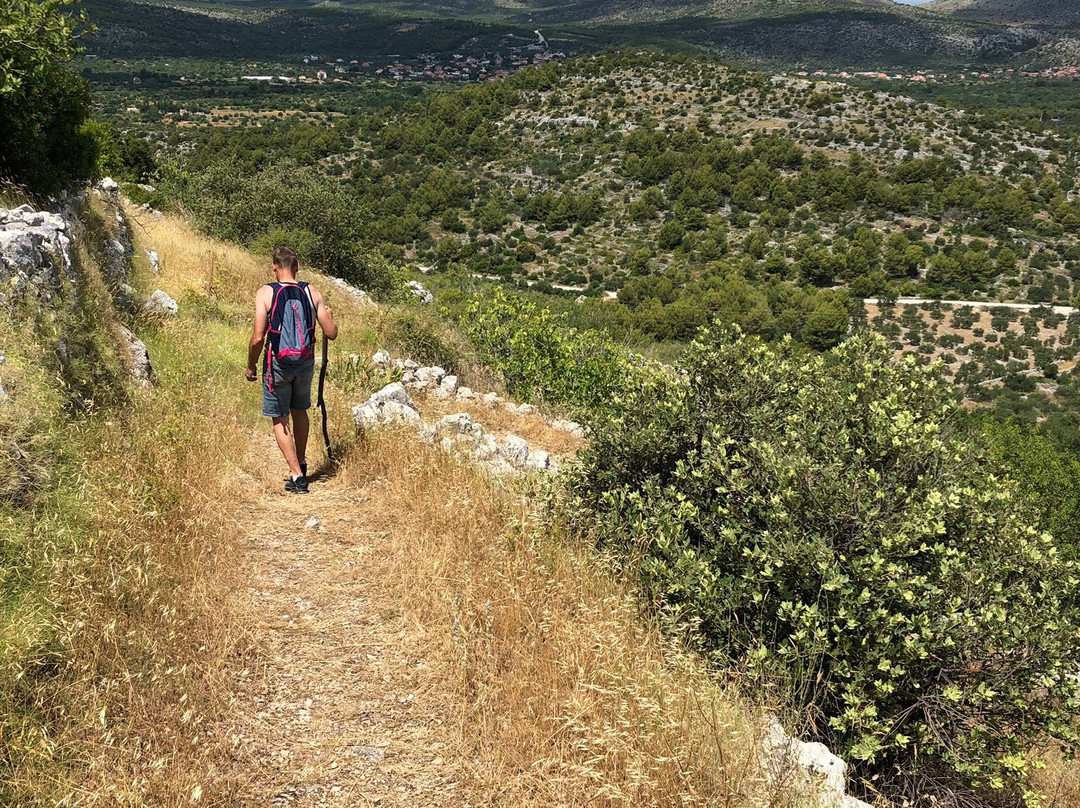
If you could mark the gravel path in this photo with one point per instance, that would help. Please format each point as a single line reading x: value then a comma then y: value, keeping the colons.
x: 336, y: 706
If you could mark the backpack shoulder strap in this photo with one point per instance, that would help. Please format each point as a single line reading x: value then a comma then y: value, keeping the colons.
x: 314, y: 311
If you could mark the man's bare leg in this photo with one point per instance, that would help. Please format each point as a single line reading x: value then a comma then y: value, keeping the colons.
x: 284, y: 437
x: 301, y: 427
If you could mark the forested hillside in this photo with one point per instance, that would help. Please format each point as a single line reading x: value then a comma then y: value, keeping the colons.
x: 1042, y: 12
x: 663, y: 193
x: 839, y: 33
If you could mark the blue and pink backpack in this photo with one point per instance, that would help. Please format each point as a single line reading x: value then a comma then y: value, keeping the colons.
x: 291, y: 331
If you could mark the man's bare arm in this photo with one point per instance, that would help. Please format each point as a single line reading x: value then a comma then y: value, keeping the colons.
x: 263, y: 298
x: 323, y: 314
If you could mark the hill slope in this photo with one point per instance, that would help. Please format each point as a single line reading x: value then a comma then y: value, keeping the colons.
x: 844, y: 33
x: 1028, y: 12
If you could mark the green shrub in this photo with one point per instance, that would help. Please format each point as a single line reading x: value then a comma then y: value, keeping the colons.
x: 292, y: 205
x: 1048, y: 474
x: 817, y: 519
x: 46, y: 142
x: 423, y: 341
x: 540, y: 358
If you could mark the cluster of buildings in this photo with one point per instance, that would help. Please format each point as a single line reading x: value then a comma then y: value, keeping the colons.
x: 460, y: 67
x: 426, y: 66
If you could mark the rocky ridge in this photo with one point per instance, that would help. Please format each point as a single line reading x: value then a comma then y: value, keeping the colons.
x: 38, y: 266
x: 456, y: 432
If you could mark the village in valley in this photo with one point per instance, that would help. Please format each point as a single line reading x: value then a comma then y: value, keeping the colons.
x: 457, y: 67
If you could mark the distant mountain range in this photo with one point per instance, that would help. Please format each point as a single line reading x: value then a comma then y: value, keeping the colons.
x: 860, y: 34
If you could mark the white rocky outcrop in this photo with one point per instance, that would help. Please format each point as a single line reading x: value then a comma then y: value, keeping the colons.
x: 360, y: 296
x: 160, y: 303
x: 447, y: 387
x: 35, y: 252
x: 155, y: 261
x: 423, y: 378
x: 457, y: 432
x: 389, y: 405
x: 139, y: 362
x: 570, y: 427
x: 36, y: 262
x: 420, y: 292
x: 809, y: 768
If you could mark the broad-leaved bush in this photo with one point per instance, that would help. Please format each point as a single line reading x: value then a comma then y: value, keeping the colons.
x: 541, y: 358
x: 293, y: 206
x: 818, y: 521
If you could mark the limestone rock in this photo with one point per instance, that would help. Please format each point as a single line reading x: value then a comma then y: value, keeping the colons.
x: 155, y: 261
x: 35, y: 252
x: 160, y: 303
x: 817, y: 772
x: 515, y: 451
x: 361, y: 297
x: 422, y: 378
x: 380, y: 359
x: 139, y: 365
x: 447, y: 387
x: 108, y: 185
x: 538, y: 461
x: 571, y: 427
x: 389, y: 405
x: 449, y: 427
x: 420, y: 292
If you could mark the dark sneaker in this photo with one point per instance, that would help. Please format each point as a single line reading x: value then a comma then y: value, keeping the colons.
x: 303, y: 472
x: 297, y: 486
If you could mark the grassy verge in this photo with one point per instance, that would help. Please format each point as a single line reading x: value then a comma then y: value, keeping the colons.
x: 566, y: 694
x: 113, y: 621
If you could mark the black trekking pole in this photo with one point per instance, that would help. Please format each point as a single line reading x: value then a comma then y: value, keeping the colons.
x: 322, y: 403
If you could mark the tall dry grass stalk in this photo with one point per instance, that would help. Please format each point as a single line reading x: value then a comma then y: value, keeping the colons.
x: 567, y: 695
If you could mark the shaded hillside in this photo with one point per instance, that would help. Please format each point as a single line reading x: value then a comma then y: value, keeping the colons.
x: 143, y: 30
x: 863, y: 37
x: 844, y: 33
x: 1032, y: 12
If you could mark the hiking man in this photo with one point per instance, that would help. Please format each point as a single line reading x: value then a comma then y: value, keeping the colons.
x: 285, y: 315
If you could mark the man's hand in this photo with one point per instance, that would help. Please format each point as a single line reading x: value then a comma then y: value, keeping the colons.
x: 250, y: 374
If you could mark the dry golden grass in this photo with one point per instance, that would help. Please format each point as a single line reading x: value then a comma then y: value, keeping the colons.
x: 567, y: 696
x: 1059, y: 781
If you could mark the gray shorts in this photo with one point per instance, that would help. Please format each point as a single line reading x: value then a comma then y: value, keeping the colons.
x: 288, y: 389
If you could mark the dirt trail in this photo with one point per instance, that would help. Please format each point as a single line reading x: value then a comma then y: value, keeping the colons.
x: 337, y: 705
